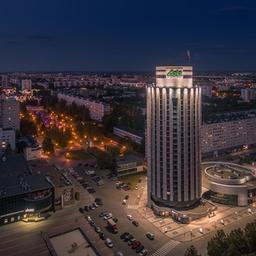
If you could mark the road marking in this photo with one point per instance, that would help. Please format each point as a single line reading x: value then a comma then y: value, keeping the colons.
x: 166, y: 248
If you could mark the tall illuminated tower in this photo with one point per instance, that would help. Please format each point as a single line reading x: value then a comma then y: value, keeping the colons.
x: 173, y: 140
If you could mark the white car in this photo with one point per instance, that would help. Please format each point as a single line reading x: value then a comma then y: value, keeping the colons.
x: 124, y: 202
x: 130, y: 217
x: 89, y: 172
x: 108, y: 216
x: 109, y: 243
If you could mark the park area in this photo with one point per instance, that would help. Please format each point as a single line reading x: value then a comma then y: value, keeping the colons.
x: 78, y: 155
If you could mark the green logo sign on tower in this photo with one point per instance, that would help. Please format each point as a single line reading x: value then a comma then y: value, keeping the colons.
x: 174, y: 73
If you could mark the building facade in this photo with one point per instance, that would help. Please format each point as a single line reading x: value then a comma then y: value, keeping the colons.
x: 25, y: 198
x: 9, y: 113
x: 26, y: 84
x: 173, y: 140
x: 248, y: 94
x: 97, y: 109
x: 7, y: 137
x: 230, y: 134
x: 135, y: 136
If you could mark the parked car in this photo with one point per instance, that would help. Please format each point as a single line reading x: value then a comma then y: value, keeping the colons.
x: 139, y: 249
x: 136, y: 244
x: 128, y: 237
x: 81, y: 210
x: 124, y: 235
x: 131, y: 241
x: 102, y: 236
x: 98, y: 229
x: 129, y: 217
x: 92, y: 223
x: 89, y: 172
x: 144, y: 252
x: 91, y: 190
x: 102, y: 214
x: 135, y: 223
x: 126, y: 197
x: 109, y: 243
x: 91, y: 207
x: 98, y: 201
x: 108, y: 216
x: 150, y: 236
x: 89, y: 218
x: 124, y: 202
x: 85, y: 185
x: 86, y: 208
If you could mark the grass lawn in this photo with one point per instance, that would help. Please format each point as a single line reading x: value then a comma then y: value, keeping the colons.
x: 132, y: 179
x: 78, y: 155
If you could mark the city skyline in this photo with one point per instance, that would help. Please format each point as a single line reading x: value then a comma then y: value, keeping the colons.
x: 127, y: 35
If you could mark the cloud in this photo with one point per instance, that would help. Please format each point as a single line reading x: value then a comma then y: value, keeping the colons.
x: 41, y: 38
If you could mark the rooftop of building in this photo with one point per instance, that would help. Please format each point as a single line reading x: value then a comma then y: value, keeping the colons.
x: 132, y: 131
x: 231, y: 116
x: 33, y: 172
x: 126, y: 159
x: 56, y: 176
x: 230, y: 174
x: 22, y: 184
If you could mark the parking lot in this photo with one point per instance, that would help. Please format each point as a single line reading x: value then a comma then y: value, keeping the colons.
x: 112, y: 199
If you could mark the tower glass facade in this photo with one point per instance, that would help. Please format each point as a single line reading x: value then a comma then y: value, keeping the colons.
x: 173, y: 139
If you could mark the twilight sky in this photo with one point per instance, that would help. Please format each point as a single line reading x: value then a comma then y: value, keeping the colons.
x: 126, y: 35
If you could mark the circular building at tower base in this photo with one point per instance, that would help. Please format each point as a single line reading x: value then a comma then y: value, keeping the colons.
x: 229, y: 183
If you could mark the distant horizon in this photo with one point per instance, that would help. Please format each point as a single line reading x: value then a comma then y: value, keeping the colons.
x: 195, y: 72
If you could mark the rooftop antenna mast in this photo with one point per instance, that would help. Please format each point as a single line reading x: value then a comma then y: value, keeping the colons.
x: 189, y: 56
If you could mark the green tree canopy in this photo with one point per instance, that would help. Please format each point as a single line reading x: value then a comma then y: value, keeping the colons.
x: 48, y: 145
x: 191, y: 251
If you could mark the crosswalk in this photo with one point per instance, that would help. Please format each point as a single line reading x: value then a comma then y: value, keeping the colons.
x: 166, y: 248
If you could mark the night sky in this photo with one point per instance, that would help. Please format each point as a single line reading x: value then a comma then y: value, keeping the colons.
x: 126, y: 35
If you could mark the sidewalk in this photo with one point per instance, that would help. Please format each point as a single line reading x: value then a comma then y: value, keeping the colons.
x: 225, y: 216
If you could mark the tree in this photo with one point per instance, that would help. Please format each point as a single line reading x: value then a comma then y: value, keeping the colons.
x: 237, y: 239
x: 109, y: 122
x: 48, y: 145
x: 218, y: 245
x: 250, y: 236
x: 232, y: 251
x: 27, y: 127
x: 191, y: 251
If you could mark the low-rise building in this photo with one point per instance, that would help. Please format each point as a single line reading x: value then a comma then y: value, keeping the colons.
x: 32, y: 150
x: 23, y: 195
x: 229, y: 183
x: 130, y: 164
x: 228, y: 133
x: 97, y: 109
x: 135, y: 136
x: 64, y: 190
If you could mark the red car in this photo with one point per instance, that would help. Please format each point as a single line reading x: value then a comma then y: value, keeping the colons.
x: 136, y: 244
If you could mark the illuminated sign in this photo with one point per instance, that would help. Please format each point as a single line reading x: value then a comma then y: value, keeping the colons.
x: 29, y: 210
x: 174, y: 73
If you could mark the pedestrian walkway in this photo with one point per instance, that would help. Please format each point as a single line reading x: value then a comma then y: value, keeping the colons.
x: 132, y: 207
x: 166, y: 248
